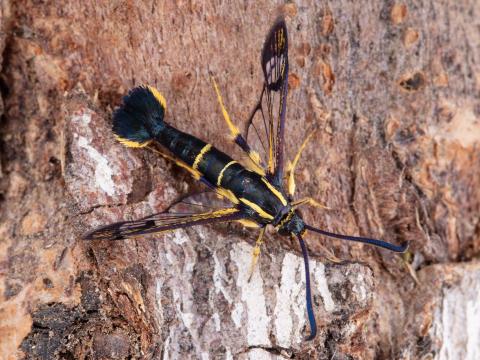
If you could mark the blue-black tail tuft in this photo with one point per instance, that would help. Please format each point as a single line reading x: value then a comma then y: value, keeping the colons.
x: 140, y: 118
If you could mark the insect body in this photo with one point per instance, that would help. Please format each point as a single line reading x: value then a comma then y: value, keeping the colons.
x: 256, y: 192
x: 254, y: 196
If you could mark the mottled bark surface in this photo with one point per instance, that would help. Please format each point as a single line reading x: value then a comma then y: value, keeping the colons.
x: 393, y: 88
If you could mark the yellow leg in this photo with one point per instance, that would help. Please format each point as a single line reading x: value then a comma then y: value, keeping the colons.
x: 291, y: 166
x: 256, y: 253
x: 195, y: 173
x: 233, y: 129
x: 309, y: 201
x: 236, y: 136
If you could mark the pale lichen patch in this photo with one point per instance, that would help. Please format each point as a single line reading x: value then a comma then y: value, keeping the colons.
x: 216, y: 321
x: 289, y: 300
x: 359, y: 287
x: 96, y: 172
x: 252, y: 296
x: 103, y: 172
x: 218, y: 278
x: 290, y: 310
x: 237, y: 313
x: 320, y: 281
x: 463, y: 128
x: 455, y: 321
x: 260, y: 354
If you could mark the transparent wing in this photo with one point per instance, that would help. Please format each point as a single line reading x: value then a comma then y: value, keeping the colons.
x: 161, y: 222
x: 265, y: 127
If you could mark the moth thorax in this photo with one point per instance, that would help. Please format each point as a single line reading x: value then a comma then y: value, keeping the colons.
x: 292, y: 224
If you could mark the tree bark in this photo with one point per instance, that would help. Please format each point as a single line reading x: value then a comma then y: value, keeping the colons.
x: 393, y: 91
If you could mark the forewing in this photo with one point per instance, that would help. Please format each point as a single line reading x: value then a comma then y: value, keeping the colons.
x: 265, y: 128
x: 161, y: 222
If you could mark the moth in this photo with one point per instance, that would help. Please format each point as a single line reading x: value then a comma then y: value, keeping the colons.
x: 256, y: 192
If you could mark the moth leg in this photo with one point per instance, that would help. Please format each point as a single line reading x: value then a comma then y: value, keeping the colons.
x: 191, y: 197
x: 256, y: 253
x: 310, y: 201
x: 195, y: 173
x: 253, y: 156
x: 291, y: 166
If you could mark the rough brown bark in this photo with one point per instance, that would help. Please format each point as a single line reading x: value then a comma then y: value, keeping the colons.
x: 393, y: 88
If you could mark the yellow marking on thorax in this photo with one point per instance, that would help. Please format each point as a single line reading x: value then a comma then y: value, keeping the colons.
x: 275, y: 192
x: 220, y: 176
x: 285, y: 220
x: 257, y: 208
x: 130, y: 143
x: 200, y: 155
x: 158, y: 96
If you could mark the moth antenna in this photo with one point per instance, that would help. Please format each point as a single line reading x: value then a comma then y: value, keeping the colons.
x: 383, y: 244
x: 308, y: 292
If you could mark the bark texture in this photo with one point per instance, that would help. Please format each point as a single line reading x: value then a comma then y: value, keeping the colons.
x: 393, y: 88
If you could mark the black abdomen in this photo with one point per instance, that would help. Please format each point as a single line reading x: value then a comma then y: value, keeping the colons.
x: 220, y: 170
x: 184, y: 146
x: 196, y: 153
